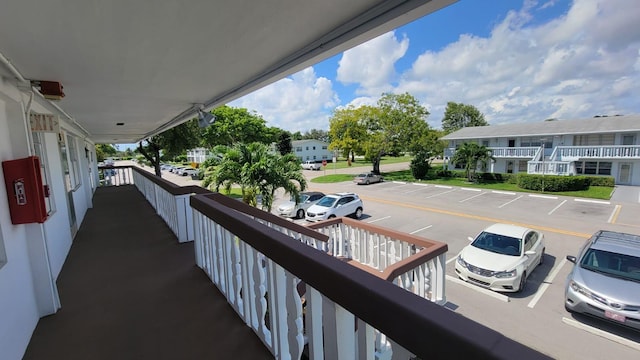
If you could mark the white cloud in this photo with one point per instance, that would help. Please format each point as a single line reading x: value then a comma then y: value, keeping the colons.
x: 300, y: 102
x: 371, y: 65
x: 580, y: 64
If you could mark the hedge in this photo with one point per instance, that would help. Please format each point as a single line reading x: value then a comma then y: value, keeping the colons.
x: 552, y: 183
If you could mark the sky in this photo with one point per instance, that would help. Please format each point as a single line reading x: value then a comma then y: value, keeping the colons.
x: 516, y: 61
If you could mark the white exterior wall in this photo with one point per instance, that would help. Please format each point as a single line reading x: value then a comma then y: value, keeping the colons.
x: 32, y: 255
x: 308, y: 152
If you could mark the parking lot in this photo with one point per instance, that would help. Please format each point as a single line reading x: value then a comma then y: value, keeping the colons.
x: 536, y: 316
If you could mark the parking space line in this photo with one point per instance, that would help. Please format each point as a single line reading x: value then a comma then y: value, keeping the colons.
x: 546, y: 282
x: 452, y: 259
x: 399, y: 182
x: 493, y: 294
x: 503, y: 192
x: 382, y: 218
x: 509, y: 202
x: 421, y: 187
x: 474, y: 196
x: 544, y: 196
x: 601, y: 333
x: 470, y: 189
x: 593, y: 201
x: 557, y: 207
x: 444, y: 186
x: 424, y: 228
x: 438, y: 194
x: 614, y: 214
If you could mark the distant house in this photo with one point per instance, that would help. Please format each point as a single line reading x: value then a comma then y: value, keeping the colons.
x: 198, y: 155
x: 311, y: 149
x: 594, y: 146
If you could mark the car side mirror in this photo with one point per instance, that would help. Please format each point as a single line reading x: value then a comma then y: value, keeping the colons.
x: 572, y: 258
x: 470, y: 238
x: 530, y: 252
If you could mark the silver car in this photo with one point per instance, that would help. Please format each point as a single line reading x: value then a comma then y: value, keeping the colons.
x: 605, y: 280
x: 298, y: 209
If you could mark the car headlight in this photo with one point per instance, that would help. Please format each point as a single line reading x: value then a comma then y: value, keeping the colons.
x: 462, y: 262
x: 579, y: 289
x: 321, y: 214
x: 506, y: 274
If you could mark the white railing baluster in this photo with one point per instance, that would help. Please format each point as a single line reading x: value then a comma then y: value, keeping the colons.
x: 315, y: 336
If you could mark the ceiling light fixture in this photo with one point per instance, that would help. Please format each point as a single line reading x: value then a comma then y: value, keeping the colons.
x: 205, y: 118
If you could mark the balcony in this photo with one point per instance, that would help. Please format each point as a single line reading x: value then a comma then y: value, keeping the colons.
x: 130, y: 287
x: 514, y: 152
x: 574, y: 153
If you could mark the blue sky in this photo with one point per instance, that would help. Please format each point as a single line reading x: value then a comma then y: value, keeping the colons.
x: 515, y: 60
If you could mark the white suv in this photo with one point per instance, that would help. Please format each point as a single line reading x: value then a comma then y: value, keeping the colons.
x: 335, y: 205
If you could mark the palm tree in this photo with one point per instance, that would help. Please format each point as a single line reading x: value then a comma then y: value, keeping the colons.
x: 258, y: 172
x: 469, y: 155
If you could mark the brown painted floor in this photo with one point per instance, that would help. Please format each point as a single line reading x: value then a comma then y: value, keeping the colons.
x: 129, y: 290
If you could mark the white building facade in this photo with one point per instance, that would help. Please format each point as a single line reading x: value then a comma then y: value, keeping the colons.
x: 198, y: 155
x: 311, y: 150
x: 606, y: 146
x: 32, y: 254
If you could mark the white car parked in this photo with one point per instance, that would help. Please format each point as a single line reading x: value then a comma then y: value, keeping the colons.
x: 298, y: 210
x: 501, y: 257
x: 335, y: 205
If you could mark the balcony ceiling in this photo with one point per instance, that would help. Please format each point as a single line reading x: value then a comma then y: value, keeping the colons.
x: 146, y: 63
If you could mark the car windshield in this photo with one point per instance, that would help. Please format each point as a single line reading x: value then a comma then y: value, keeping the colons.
x: 619, y: 265
x: 327, y: 201
x: 361, y: 175
x: 499, y: 244
x: 302, y: 198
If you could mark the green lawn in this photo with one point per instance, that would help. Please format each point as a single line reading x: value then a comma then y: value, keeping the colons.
x: 594, y: 192
x: 343, y: 164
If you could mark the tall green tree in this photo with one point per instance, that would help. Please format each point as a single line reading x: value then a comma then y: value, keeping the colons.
x: 284, y: 143
x: 317, y: 134
x: 398, y: 124
x: 347, y: 129
x: 237, y: 125
x: 470, y: 155
x: 171, y: 142
x: 258, y: 172
x: 103, y: 151
x: 459, y: 115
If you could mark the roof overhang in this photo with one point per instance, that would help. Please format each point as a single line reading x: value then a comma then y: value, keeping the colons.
x: 152, y: 64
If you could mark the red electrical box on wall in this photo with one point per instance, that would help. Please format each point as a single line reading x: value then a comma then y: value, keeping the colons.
x: 25, y: 191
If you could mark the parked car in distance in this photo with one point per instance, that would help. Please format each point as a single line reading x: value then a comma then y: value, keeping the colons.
x: 188, y: 171
x: 311, y: 165
x: 501, y: 257
x: 335, y: 205
x: 605, y: 279
x: 176, y: 169
x: 367, y: 178
x: 298, y: 210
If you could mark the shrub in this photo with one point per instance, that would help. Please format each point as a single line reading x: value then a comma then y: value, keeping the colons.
x: 609, y: 181
x: 552, y: 183
x: 420, y: 166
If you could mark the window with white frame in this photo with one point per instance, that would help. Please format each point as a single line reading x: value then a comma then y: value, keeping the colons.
x: 593, y: 167
x: 38, y: 148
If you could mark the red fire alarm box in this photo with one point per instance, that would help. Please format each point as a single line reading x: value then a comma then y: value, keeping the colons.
x: 25, y: 191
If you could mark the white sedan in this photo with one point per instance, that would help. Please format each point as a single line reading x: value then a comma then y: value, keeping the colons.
x: 501, y: 257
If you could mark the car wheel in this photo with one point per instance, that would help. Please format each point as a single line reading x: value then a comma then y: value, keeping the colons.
x: 366, y: 182
x: 541, y: 257
x: 523, y: 282
x: 300, y: 214
x: 358, y: 213
x: 331, y: 216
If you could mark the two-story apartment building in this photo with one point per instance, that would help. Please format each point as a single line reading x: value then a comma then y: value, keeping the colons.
x: 312, y: 150
x: 198, y: 155
x: 607, y: 145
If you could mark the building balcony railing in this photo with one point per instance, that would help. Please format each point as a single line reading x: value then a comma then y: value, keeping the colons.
x: 514, y: 152
x: 302, y: 289
x: 549, y: 167
x: 574, y: 153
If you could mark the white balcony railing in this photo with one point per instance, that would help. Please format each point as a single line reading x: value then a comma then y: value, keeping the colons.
x: 573, y: 153
x: 514, y: 152
x: 549, y: 167
x: 413, y: 263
